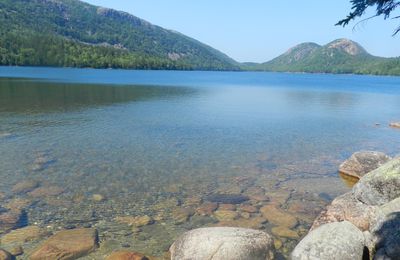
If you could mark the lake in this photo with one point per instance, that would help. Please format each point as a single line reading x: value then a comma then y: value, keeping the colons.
x: 144, y: 156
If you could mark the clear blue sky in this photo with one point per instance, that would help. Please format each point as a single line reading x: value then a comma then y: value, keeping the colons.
x: 259, y: 30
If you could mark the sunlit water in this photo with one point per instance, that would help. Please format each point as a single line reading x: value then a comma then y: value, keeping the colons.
x: 155, y: 142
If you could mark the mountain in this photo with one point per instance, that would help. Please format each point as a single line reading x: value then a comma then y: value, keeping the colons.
x: 339, y: 56
x: 76, y: 34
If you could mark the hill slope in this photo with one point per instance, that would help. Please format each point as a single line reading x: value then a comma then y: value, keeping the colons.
x: 74, y: 33
x: 339, y: 56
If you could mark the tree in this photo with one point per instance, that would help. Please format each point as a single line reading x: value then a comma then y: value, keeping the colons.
x: 384, y: 8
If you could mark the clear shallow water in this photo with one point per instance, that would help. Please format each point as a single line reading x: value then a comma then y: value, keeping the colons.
x: 156, y: 142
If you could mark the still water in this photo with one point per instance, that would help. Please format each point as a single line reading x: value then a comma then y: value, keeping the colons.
x: 89, y: 148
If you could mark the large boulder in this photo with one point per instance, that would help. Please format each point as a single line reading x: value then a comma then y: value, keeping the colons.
x: 348, y: 208
x: 381, y: 185
x: 361, y: 163
x: 333, y: 241
x: 223, y: 243
x: 387, y: 237
x: 67, y: 245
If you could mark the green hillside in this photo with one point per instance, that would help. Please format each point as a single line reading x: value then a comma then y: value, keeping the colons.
x: 75, y: 34
x: 339, y: 56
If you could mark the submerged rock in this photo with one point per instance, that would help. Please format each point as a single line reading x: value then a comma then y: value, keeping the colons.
x: 226, y: 215
x: 361, y: 163
x: 227, y: 198
x: 222, y: 243
x: 4, y: 255
x: 12, y: 219
x: 278, y: 217
x: 47, y: 191
x: 126, y: 255
x: 22, y: 235
x: 139, y: 221
x: 333, y: 241
x: 207, y: 208
x: 67, y: 245
x: 381, y: 185
x: 25, y: 186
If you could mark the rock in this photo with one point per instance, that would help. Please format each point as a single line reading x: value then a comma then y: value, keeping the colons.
x: 361, y: 163
x: 395, y: 124
x: 387, y: 236
x: 135, y: 221
x: 348, y: 208
x: 284, y: 232
x: 278, y: 217
x: 182, y: 215
x: 248, y: 209
x: 48, y: 191
x: 333, y: 241
x: 252, y: 223
x: 207, y: 209
x: 381, y: 185
x: 227, y: 198
x: 227, y: 207
x: 222, y: 243
x: 16, y: 251
x: 12, y: 219
x: 4, y: 255
x: 67, y: 244
x: 261, y: 198
x: 98, y: 197
x: 126, y: 255
x: 391, y: 207
x: 226, y: 215
x: 25, y: 186
x: 22, y: 235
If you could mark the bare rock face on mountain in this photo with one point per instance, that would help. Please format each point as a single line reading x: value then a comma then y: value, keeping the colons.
x: 347, y: 46
x: 221, y: 243
x: 361, y: 163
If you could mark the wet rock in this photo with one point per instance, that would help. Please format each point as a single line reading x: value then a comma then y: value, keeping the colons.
x: 395, y: 124
x: 227, y: 198
x: 284, y: 232
x: 17, y: 251
x: 381, y: 185
x: 47, y: 191
x: 181, y: 215
x: 226, y: 215
x: 22, y: 235
x: 223, y: 243
x: 25, y: 186
x: 126, y: 255
x: 252, y: 223
x: 139, y: 221
x: 348, y: 208
x: 361, y: 163
x: 4, y: 255
x: 5, y: 135
x: 278, y: 217
x: 206, y: 209
x: 341, y: 240
x: 67, y: 244
x: 12, y: 219
x: 42, y: 161
x: 227, y: 207
x: 98, y: 198
x: 248, y: 209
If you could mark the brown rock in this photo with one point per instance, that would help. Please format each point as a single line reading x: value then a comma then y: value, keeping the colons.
x: 252, y: 223
x: 260, y: 198
x: 16, y: 251
x: 361, y: 163
x: 18, y: 204
x: 25, y: 186
x: 226, y: 215
x: 67, y: 244
x: 249, y: 209
x: 4, y: 255
x: 182, y: 215
x: 22, y: 235
x: 346, y: 207
x: 126, y: 255
x: 135, y: 221
x: 207, y: 209
x: 278, y: 217
x: 284, y: 232
x: 227, y: 207
x: 395, y: 124
x: 11, y: 219
x: 46, y: 191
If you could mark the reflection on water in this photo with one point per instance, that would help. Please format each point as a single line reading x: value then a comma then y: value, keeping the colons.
x: 142, y: 164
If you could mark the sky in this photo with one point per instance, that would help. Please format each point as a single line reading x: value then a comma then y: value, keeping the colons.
x: 260, y: 30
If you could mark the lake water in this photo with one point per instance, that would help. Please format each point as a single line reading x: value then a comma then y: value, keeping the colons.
x: 88, y: 148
